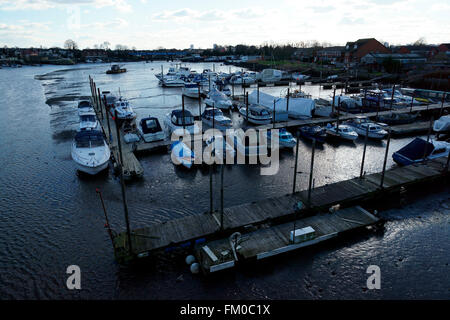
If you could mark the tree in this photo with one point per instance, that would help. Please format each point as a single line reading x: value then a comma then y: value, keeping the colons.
x: 420, y: 42
x: 70, y: 44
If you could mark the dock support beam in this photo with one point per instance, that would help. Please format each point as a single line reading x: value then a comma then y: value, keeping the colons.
x: 311, y: 170
x: 221, y: 196
x: 428, y: 138
x: 246, y: 108
x: 295, y: 166
x: 199, y: 103
x: 364, y: 153
x: 385, y: 158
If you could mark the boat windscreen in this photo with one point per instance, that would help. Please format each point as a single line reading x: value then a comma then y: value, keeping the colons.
x: 87, y: 118
x: 416, y: 149
x: 150, y: 125
x: 84, y: 104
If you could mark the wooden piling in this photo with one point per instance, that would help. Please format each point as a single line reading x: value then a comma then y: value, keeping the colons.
x: 334, y: 95
x: 392, y: 96
x: 311, y: 170
x: 428, y: 137
x: 364, y: 152
x: 199, y: 103
x: 273, y: 120
x: 257, y: 91
x: 221, y: 196
x: 295, y: 165
x: 107, y: 116
x: 442, y: 104
x: 385, y: 158
x: 246, y: 108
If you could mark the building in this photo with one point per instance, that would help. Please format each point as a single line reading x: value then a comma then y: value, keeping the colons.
x: 354, y: 51
x: 427, y: 51
x: 407, y: 60
x: 331, y: 54
x: 305, y: 54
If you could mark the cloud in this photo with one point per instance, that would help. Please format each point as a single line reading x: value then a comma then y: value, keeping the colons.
x: 321, y: 9
x: 209, y: 15
x: 351, y: 21
x: 121, y: 5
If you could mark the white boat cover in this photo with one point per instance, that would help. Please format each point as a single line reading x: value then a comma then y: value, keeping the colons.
x: 298, y: 107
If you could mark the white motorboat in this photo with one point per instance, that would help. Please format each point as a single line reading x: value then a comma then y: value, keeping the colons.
x: 256, y: 114
x: 88, y: 121
x: 242, y: 79
x: 182, y: 154
x: 270, y: 75
x: 172, y: 82
x: 362, y: 125
x: 84, y: 106
x: 220, y: 147
x: 211, y: 114
x: 341, y: 131
x: 124, y: 110
x: 90, y: 152
x: 181, y: 122
x: 219, y: 100
x: 442, y: 124
x: 109, y: 97
x: 191, y: 90
x: 150, y: 129
x: 419, y: 149
x: 174, y: 72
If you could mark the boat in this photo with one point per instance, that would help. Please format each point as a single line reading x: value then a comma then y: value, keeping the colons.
x: 88, y: 121
x: 270, y: 75
x: 109, y: 97
x: 177, y: 120
x: 124, y: 110
x: 191, y: 90
x: 313, y: 132
x: 212, y: 114
x: 219, y: 145
x: 397, y: 118
x: 174, y: 72
x: 285, y: 138
x: 84, y: 106
x: 182, y: 154
x: 360, y: 125
x: 248, y: 147
x: 115, y: 68
x: 341, y: 131
x: 90, y: 152
x: 150, y: 130
x: 173, y: 81
x: 442, y: 124
x: 226, y: 91
x: 242, y: 79
x: 419, y: 149
x: 299, y: 77
x: 256, y: 114
x: 217, y: 99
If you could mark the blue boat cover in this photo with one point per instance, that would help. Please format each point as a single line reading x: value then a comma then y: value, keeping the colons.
x: 415, y: 149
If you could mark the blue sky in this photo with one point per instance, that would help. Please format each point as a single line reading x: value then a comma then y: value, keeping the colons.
x: 148, y: 24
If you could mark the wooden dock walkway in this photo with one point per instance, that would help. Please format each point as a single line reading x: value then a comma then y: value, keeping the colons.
x: 274, y: 211
x: 263, y: 243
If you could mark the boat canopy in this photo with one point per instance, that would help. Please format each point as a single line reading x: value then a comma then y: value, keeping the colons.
x: 416, y: 149
x: 298, y: 107
x: 191, y: 85
x: 92, y: 135
x: 177, y: 117
x: 84, y: 104
x: 150, y: 125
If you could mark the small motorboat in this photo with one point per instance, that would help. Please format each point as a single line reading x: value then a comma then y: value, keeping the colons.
x: 442, y: 124
x: 341, y: 131
x: 219, y: 100
x: 285, y: 138
x: 115, y: 68
x: 418, y: 149
x: 90, y: 152
x: 191, y: 90
x: 215, y: 115
x: 150, y: 130
x: 220, y: 147
x: 360, y: 124
x: 88, y: 121
x: 313, y: 132
x: 182, y: 154
x: 173, y: 82
x: 181, y: 122
x: 242, y: 79
x: 397, y: 118
x: 85, y: 106
x: 256, y: 114
x: 124, y: 110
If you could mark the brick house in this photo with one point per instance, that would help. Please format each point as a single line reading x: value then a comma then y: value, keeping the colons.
x: 331, y: 54
x: 354, y: 51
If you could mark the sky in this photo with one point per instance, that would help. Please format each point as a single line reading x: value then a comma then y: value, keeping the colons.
x: 149, y: 24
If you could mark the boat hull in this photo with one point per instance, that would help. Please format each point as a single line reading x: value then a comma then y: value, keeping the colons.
x: 92, y: 170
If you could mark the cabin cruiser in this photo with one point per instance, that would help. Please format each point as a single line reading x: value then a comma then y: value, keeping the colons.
x: 313, y: 132
x: 360, y: 125
x: 182, y: 154
x: 212, y: 114
x: 397, y: 118
x: 341, y: 131
x: 242, y: 79
x: 150, y: 129
x: 85, y: 106
x: 220, y: 147
x: 88, y: 121
x: 124, y: 110
x: 173, y: 81
x: 256, y: 114
x: 285, y: 138
x: 442, y: 124
x: 90, y: 152
x: 418, y: 149
x: 191, y: 90
x: 219, y: 100
x: 177, y: 120
x: 270, y: 75
x: 174, y: 72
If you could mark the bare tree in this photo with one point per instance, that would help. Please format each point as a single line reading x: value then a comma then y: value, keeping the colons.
x: 70, y: 44
x: 420, y: 42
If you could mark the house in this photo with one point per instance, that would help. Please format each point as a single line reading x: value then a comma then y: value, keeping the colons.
x: 305, y: 54
x: 427, y: 51
x: 444, y: 47
x: 354, y: 51
x: 406, y: 60
x: 331, y: 54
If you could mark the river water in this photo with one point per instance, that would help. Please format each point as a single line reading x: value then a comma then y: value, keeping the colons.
x: 51, y: 218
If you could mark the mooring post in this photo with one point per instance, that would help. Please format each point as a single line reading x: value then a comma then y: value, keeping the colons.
x: 442, y: 104
x: 122, y: 184
x: 221, y: 195
x: 412, y: 100
x: 338, y: 113
x: 106, y: 216
x: 447, y: 164
x: 209, y: 81
x: 182, y: 108
x: 385, y: 157
x: 273, y: 120
x: 199, y: 103
x: 428, y: 138
x: 232, y: 90
x: 378, y: 104
x: 210, y: 190
x: 107, y: 117
x: 246, y: 108
x: 295, y: 165
x: 287, y: 100
x: 257, y: 91
x: 392, y: 96
x: 311, y: 170
x: 364, y: 152
x: 162, y: 72
x: 334, y: 95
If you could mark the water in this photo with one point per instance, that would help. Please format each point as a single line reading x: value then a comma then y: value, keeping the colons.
x: 52, y: 218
